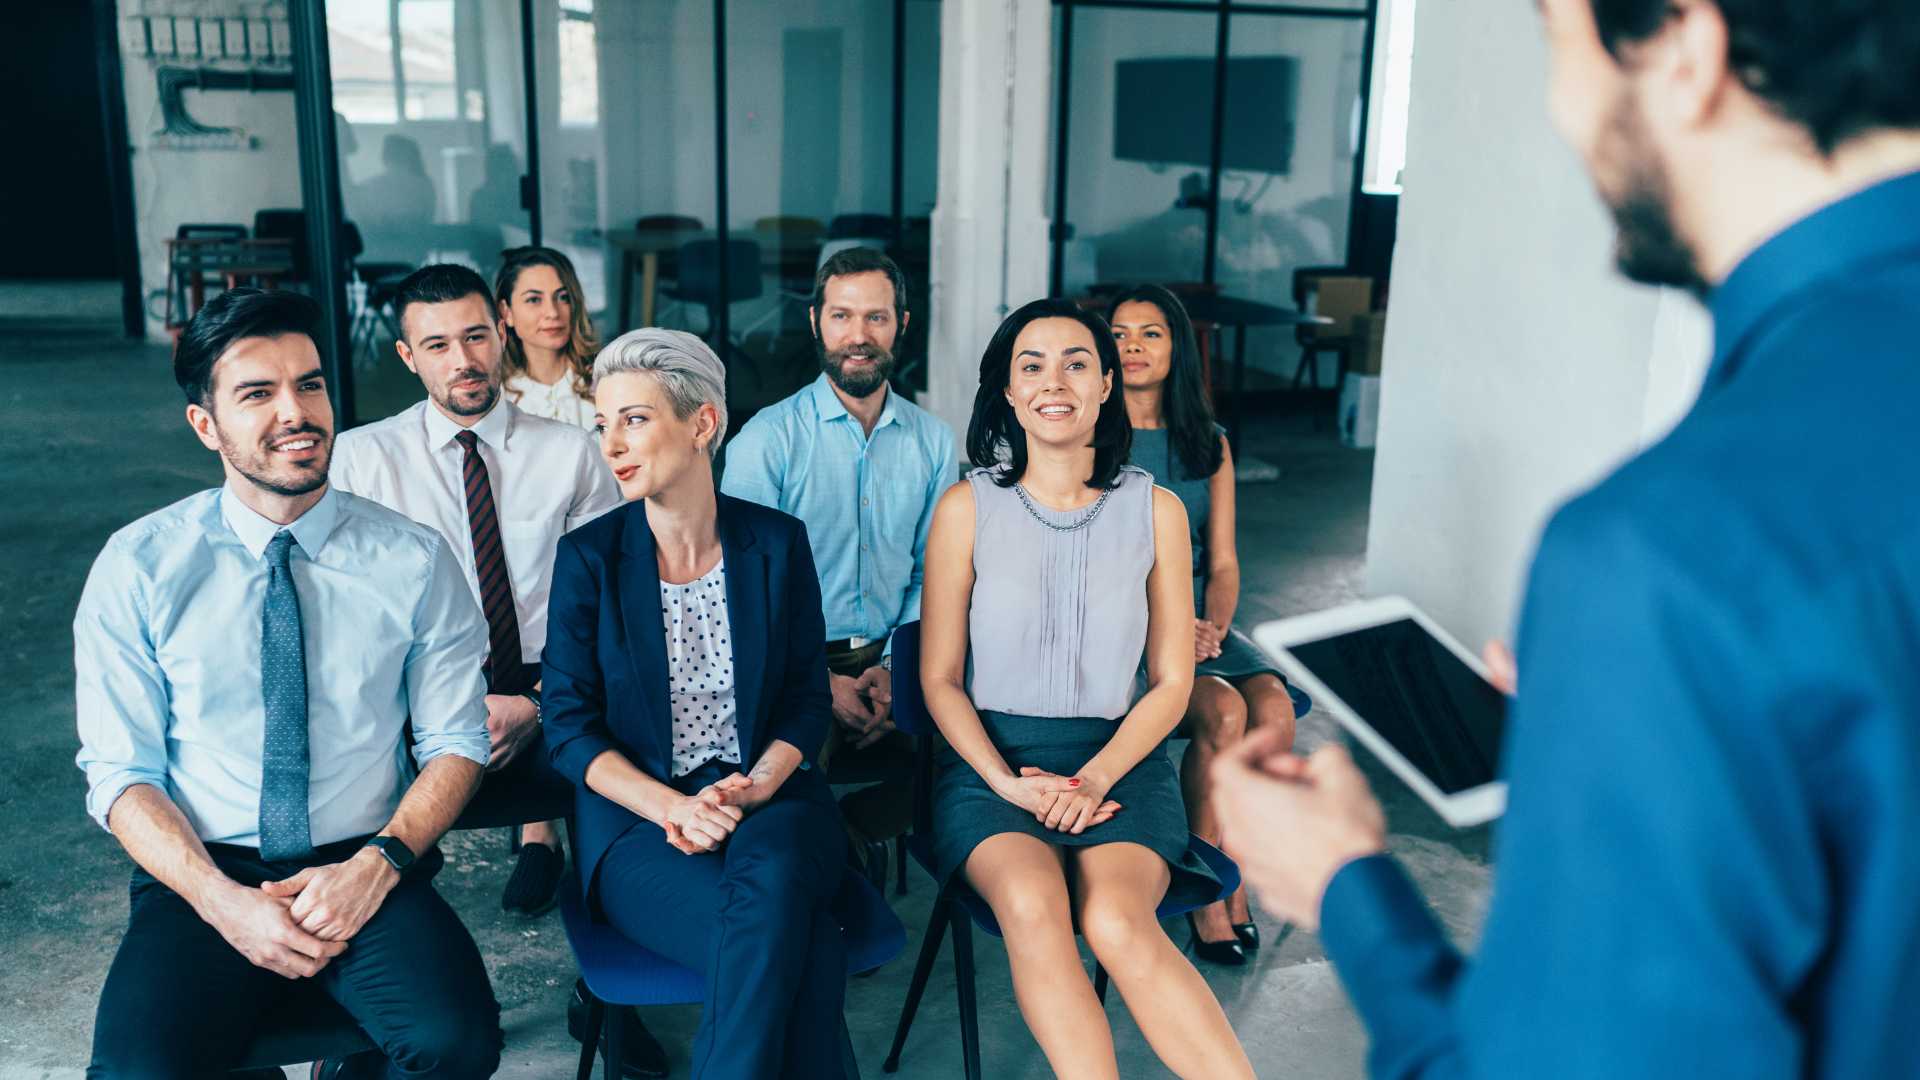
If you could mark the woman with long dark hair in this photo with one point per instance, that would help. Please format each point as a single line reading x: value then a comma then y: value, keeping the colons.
x: 1049, y: 573
x: 550, y: 343
x: 1236, y: 688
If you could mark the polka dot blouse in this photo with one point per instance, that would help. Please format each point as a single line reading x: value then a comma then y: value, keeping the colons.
x: 700, y: 671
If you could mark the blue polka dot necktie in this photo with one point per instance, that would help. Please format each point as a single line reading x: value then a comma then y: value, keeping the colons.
x: 284, y: 830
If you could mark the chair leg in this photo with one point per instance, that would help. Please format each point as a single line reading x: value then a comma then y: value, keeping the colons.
x: 900, y: 865
x: 613, y: 1065
x: 1100, y: 981
x: 923, y: 967
x: 590, y: 1046
x: 969, y: 1012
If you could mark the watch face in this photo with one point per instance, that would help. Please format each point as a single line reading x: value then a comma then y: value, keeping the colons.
x: 395, y: 851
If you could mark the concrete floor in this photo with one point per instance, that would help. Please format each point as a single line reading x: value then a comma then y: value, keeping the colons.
x: 93, y: 438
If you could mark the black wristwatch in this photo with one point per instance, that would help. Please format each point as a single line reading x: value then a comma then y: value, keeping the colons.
x: 398, y: 855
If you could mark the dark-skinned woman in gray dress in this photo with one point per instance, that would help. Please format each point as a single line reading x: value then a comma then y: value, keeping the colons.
x: 1236, y: 687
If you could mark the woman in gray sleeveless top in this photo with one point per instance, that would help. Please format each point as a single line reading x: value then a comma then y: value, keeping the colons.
x: 1236, y: 688
x: 1047, y: 578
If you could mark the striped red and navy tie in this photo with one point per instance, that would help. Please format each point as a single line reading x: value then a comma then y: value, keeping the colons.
x: 505, y: 673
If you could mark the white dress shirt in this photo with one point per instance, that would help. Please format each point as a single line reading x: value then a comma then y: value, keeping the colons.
x: 547, y: 478
x: 166, y: 657
x: 558, y: 401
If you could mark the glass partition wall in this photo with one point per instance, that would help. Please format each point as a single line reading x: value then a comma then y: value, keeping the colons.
x: 671, y: 225
x: 429, y: 117
x: 697, y: 158
x: 1209, y: 146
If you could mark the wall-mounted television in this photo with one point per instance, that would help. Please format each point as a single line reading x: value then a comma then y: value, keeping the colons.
x: 1163, y: 111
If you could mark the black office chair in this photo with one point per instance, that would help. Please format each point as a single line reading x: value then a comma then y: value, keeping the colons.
x: 177, y: 284
x: 288, y: 225
x: 699, y: 285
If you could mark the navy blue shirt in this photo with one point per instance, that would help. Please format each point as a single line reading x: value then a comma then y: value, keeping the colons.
x: 1710, y: 861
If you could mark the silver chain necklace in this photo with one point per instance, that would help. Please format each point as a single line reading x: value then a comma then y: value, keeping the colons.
x: 1091, y: 513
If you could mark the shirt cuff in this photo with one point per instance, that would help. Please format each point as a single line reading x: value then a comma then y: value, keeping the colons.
x: 107, y: 790
x: 1370, y: 907
x: 476, y: 749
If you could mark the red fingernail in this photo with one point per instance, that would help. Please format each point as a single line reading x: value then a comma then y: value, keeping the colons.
x: 1075, y: 782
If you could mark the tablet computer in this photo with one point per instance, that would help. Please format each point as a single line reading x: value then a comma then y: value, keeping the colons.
x: 1406, y: 691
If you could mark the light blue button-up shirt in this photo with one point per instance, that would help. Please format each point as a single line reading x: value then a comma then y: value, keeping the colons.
x: 167, y: 661
x: 867, y: 499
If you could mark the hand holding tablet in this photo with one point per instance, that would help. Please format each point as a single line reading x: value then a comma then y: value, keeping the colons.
x: 1409, y: 693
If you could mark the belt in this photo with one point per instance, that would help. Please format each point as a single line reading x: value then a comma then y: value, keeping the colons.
x: 851, y: 643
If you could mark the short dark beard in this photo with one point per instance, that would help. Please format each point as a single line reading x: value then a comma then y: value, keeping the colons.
x: 1647, y: 247
x: 254, y: 467
x: 859, y: 386
x: 445, y: 397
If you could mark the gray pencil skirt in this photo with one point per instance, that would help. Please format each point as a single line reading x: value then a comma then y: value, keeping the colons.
x: 966, y: 811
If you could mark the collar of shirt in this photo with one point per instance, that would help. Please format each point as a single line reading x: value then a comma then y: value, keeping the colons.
x: 494, y: 429
x: 1873, y: 224
x: 829, y: 407
x: 310, y: 530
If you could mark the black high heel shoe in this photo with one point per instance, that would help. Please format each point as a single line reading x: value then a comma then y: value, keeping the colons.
x: 1228, y: 953
x: 1249, y: 934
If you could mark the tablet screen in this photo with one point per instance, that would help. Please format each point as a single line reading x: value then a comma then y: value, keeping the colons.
x: 1435, y: 710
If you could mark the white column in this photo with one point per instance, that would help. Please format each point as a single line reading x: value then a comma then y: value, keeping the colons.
x: 990, y: 245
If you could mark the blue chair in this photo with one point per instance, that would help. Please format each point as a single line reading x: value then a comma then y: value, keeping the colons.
x: 958, y: 907
x: 618, y: 971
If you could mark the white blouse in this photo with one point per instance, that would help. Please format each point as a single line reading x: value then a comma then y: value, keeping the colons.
x: 700, y: 671
x: 555, y: 402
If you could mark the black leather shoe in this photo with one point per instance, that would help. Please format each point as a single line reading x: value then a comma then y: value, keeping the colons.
x: 646, y: 1058
x: 1226, y: 953
x: 535, y: 885
x: 366, y: 1065
x: 1249, y: 935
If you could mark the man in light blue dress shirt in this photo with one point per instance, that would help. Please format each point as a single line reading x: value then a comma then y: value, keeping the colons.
x: 1709, y: 864
x: 863, y: 468
x: 245, y: 662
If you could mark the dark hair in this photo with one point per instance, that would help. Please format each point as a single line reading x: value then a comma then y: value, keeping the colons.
x: 1838, y: 69
x: 1183, y: 404
x: 438, y: 284
x: 229, y: 317
x: 582, y: 342
x: 861, y: 260
x: 994, y: 426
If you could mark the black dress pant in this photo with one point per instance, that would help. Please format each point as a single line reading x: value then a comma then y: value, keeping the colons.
x: 527, y: 790
x: 180, y: 1002
x: 755, y: 918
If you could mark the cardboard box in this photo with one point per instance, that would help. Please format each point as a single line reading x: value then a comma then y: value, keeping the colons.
x: 1360, y: 411
x: 1370, y: 342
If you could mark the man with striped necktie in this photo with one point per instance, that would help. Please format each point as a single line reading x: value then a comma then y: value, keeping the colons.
x: 502, y: 486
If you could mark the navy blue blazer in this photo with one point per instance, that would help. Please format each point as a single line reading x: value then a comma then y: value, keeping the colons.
x: 605, y: 665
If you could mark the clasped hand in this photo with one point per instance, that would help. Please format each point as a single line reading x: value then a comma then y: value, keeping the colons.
x: 701, y: 822
x: 295, y: 926
x: 1069, y: 804
x: 864, y: 705
x: 1208, y: 640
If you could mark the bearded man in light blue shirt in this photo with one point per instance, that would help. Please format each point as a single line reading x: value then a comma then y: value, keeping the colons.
x: 245, y: 662
x: 863, y: 468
